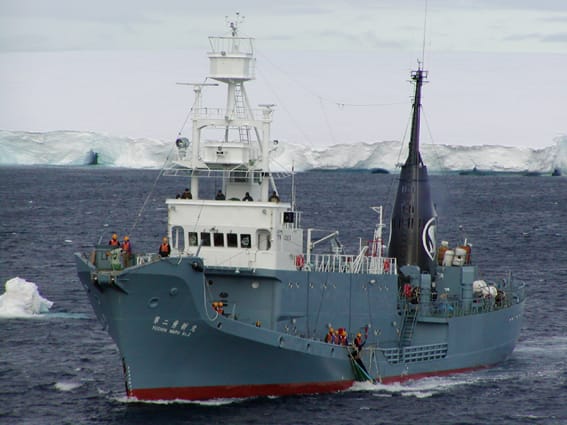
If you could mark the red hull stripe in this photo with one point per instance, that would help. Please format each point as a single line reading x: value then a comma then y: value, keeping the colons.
x: 240, y: 391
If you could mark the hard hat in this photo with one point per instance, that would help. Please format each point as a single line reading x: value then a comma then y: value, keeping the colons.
x: 359, y: 334
x: 114, y: 236
x: 126, y: 238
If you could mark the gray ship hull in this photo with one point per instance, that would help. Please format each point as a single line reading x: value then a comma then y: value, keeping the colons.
x: 268, y: 340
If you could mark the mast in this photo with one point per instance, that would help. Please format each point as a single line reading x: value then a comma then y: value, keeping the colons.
x: 413, y: 225
x: 239, y: 151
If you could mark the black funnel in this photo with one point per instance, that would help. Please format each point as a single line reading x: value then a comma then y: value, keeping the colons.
x: 412, y: 230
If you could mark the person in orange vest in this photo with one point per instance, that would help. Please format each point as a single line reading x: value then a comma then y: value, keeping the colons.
x: 218, y: 307
x: 330, y: 337
x: 343, y: 337
x: 357, y: 345
x: 358, y: 342
x: 164, y: 248
x: 126, y: 250
x: 114, y: 242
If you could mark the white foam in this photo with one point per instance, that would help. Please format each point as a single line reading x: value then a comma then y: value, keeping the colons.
x: 212, y: 402
x: 420, y: 388
x: 67, y: 386
x: 22, y: 300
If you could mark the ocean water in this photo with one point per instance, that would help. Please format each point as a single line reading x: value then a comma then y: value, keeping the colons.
x: 62, y: 368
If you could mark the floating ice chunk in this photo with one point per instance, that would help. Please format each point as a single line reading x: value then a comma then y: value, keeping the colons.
x: 67, y: 386
x: 22, y: 299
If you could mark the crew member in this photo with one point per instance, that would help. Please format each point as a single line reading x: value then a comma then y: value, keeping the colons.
x: 330, y: 337
x: 186, y: 194
x: 358, y: 342
x: 357, y: 348
x: 343, y: 337
x: 220, y: 196
x: 114, y: 242
x: 274, y: 198
x: 164, y: 248
x: 126, y: 250
x: 247, y: 197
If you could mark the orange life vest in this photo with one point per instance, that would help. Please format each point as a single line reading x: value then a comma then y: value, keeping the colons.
x: 164, y: 248
x: 114, y: 242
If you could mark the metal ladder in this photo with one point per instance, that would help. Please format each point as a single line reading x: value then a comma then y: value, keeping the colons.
x: 243, y: 130
x: 408, y: 326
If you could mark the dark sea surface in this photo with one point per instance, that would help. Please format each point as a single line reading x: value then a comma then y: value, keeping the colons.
x: 62, y: 368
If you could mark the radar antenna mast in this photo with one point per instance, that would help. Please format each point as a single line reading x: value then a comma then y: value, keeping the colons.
x: 235, y: 23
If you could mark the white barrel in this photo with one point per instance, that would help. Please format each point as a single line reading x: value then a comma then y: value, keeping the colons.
x: 460, y: 256
x: 448, y: 258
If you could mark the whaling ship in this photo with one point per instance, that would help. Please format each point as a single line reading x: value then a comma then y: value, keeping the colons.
x: 243, y: 303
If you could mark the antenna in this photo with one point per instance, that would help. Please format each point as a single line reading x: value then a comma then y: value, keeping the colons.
x: 293, y: 185
x: 424, y: 31
x: 234, y: 23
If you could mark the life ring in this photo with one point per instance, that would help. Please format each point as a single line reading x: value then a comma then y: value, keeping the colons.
x: 386, y: 265
x: 299, y: 262
x: 218, y: 307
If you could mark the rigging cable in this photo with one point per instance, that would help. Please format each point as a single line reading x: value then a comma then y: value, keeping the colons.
x: 140, y: 212
x: 161, y: 171
x: 390, y: 190
x: 321, y: 99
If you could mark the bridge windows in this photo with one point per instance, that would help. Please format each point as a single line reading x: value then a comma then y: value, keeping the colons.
x: 232, y: 240
x: 205, y: 239
x: 218, y: 239
x: 245, y: 241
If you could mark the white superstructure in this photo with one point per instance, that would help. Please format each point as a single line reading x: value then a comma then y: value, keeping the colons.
x: 233, y: 232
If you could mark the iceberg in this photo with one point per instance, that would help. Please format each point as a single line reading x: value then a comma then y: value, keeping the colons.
x: 22, y: 299
x: 69, y: 148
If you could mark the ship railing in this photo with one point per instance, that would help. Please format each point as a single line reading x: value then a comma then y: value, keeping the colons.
x: 340, y: 263
x: 201, y: 170
x: 415, y: 353
x: 106, y: 258
x: 232, y: 45
x: 455, y: 306
x: 221, y: 114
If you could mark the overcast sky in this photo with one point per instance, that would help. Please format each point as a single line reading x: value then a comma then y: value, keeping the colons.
x: 337, y: 70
